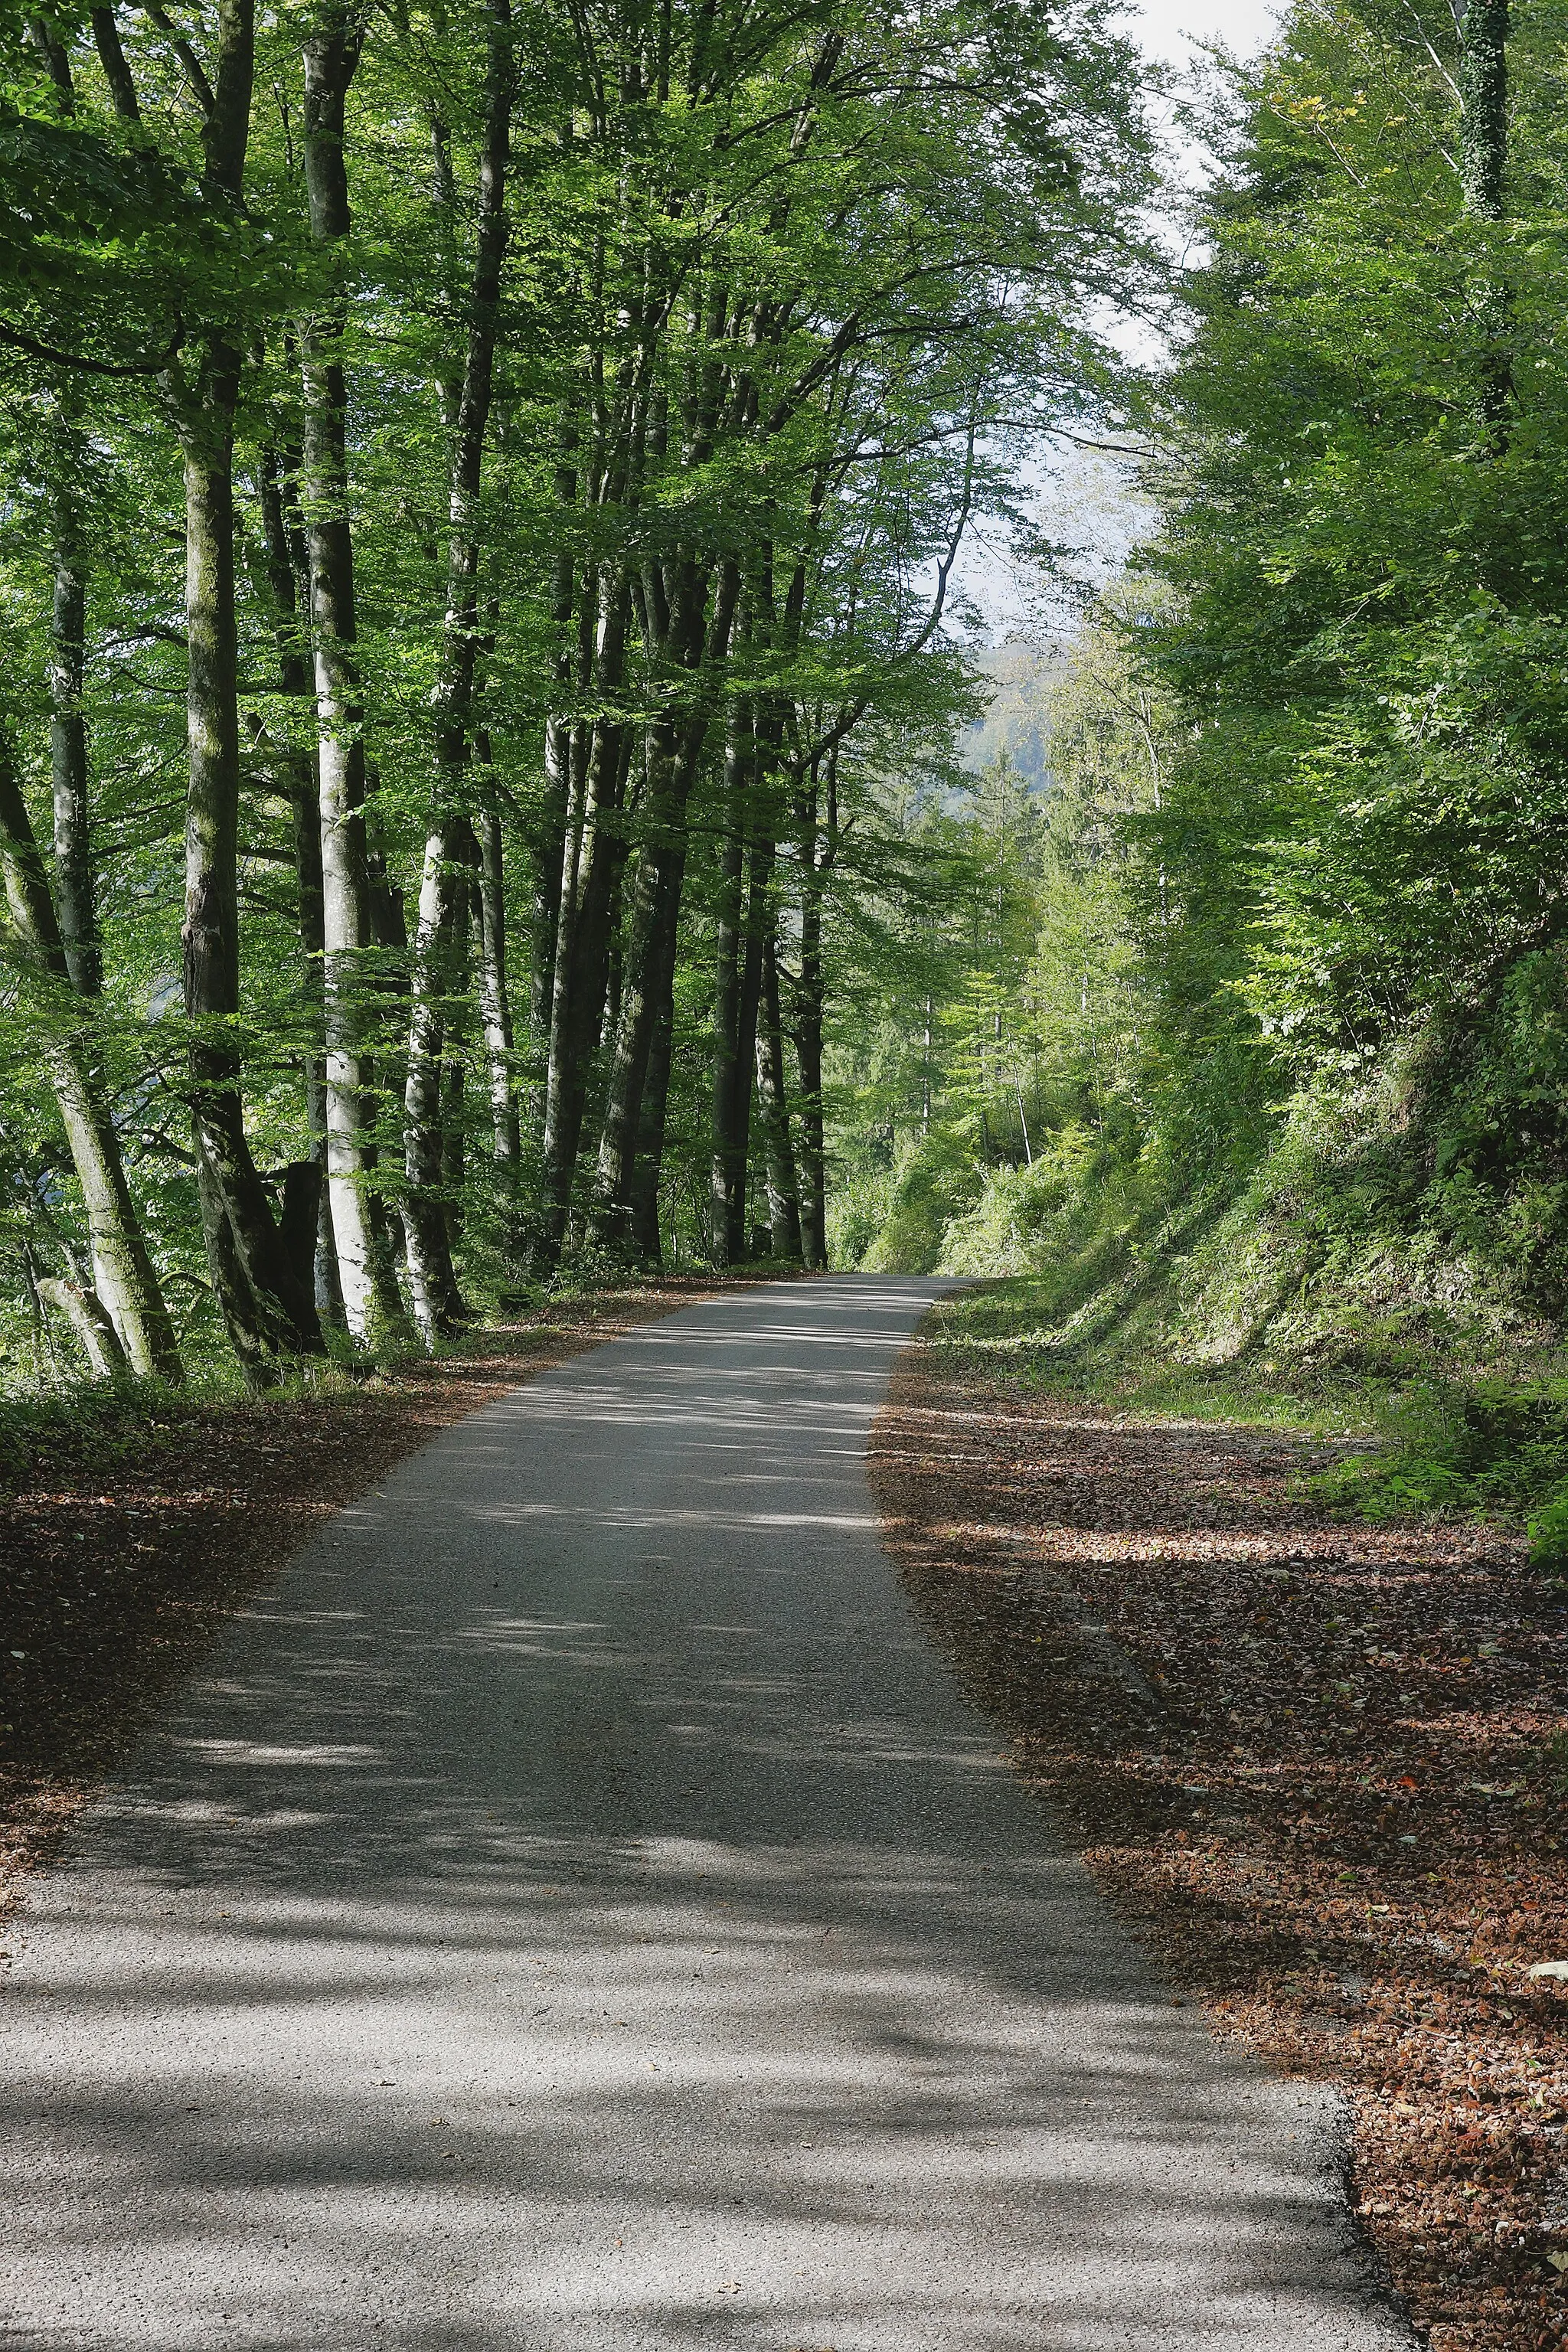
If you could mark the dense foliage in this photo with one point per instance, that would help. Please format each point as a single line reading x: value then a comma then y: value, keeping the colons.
x: 482, y: 488
x: 540, y: 833
x: 1307, y: 843
x: 1365, y: 533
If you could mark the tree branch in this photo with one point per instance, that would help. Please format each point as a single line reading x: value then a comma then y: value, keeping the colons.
x: 19, y: 342
x: 201, y: 88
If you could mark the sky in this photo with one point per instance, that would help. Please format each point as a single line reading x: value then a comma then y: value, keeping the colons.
x: 1087, y: 501
x: 1170, y: 26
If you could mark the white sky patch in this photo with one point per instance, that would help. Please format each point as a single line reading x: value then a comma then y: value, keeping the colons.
x: 1173, y: 30
x: 1084, y: 501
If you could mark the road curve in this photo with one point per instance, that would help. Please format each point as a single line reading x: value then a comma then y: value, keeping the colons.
x: 574, y: 1913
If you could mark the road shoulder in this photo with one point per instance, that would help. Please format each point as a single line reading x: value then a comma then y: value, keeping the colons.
x: 1309, y: 1765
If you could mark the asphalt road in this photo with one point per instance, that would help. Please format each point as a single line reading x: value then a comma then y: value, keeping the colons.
x: 576, y: 1914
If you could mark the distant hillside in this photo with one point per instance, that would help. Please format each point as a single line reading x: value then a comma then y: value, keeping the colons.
x: 1026, y: 676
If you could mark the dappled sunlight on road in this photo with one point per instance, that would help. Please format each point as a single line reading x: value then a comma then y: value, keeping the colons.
x: 637, y: 2080
x: 526, y: 1937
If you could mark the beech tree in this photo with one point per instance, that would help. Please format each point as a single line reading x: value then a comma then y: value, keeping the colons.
x: 536, y: 446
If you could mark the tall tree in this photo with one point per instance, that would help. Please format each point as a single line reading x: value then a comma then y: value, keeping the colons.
x: 432, y: 1276
x: 74, y: 878
x: 123, y: 1275
x: 266, y: 1306
x: 332, y: 54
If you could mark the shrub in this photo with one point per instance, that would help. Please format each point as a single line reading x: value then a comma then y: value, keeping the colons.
x: 936, y: 1178
x: 1490, y: 1445
x: 1547, y: 1530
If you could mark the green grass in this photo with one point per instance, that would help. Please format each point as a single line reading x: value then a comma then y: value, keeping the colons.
x: 1432, y: 1438
x: 1130, y: 1364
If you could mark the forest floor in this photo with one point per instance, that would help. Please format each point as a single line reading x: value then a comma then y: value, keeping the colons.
x: 1317, y: 1765
x: 131, y: 1537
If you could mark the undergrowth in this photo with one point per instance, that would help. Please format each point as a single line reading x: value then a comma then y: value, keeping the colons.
x: 1482, y: 1445
x: 1488, y: 1448
x: 72, y: 1426
x: 102, y: 1424
x: 1315, y: 1292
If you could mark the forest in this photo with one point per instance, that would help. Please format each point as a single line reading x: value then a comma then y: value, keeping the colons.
x: 1249, y: 1042
x: 516, y: 823
x: 482, y: 490
x: 485, y: 783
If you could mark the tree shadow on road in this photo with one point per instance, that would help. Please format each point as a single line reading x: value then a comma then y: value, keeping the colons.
x: 571, y: 1919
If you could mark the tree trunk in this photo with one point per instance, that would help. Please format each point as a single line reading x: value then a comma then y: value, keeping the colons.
x: 67, y: 755
x: 453, y: 1142
x: 594, y: 843
x: 495, y: 1001
x: 116, y: 72
x: 655, y: 914
x: 675, y: 756
x: 815, y: 859
x: 549, y: 848
x: 759, y: 884
x: 123, y: 1275
x: 732, y: 1076
x: 1483, y: 166
x: 288, y: 577
x: 594, y: 852
x: 85, y: 1312
x: 772, y: 1102
x: 370, y: 1293
x: 649, y: 1166
x: 741, y: 973
x: 1483, y: 89
x: 300, y: 1223
x: 443, y: 887
x: 431, y: 1277
x: 267, y: 1312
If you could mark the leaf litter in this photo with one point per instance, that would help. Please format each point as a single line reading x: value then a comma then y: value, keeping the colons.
x: 1320, y: 1768
x: 117, y: 1575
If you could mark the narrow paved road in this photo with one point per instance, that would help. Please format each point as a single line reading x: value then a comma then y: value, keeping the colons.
x: 575, y: 1914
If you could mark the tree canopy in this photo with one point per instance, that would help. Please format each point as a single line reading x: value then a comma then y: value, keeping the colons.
x: 483, y: 486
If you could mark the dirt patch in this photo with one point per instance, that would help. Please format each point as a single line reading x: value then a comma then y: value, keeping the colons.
x: 118, y: 1573
x: 1309, y: 1762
